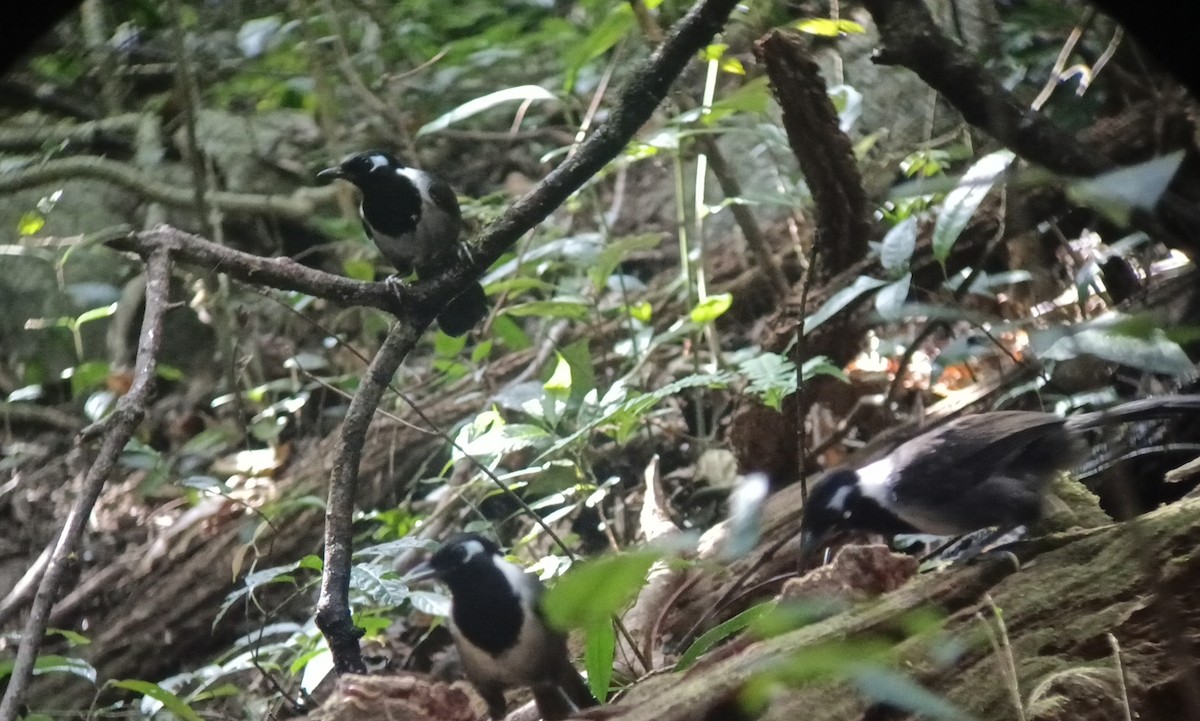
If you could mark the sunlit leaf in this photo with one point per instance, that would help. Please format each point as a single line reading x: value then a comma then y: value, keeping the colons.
x: 559, y: 381
x: 642, y: 311
x: 1155, y: 353
x: 829, y: 28
x: 841, y: 299
x: 30, y: 223
x: 711, y: 308
x: 521, y: 93
x: 732, y: 65
x: 963, y: 201
x: 506, y: 439
x: 889, y: 301
x: 1118, y: 193
x: 713, y: 52
x: 896, y: 249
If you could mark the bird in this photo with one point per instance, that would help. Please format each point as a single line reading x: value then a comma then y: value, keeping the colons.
x: 414, y: 219
x: 979, y: 471
x: 497, y: 625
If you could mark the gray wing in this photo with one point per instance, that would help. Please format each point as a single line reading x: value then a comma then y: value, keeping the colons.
x: 982, y: 470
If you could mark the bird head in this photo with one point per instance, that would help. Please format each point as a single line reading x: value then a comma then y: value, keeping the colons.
x: 361, y: 168
x: 456, y: 559
x: 845, y: 500
x: 830, y: 509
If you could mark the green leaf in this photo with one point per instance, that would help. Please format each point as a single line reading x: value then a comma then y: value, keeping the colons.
x: 593, y: 591
x: 642, y: 311
x: 827, y: 27
x: 732, y: 65
x: 312, y: 563
x: 523, y: 93
x: 505, y: 439
x: 446, y: 346
x: 713, y: 52
x: 53, y: 664
x: 363, y: 270
x: 510, y: 334
x: 964, y: 200
x: 753, y: 97
x: 895, y: 252
x: 719, y: 633
x: 88, y: 376
x: 598, y: 655
x: 841, y: 299
x: 578, y: 356
x: 30, y: 223
x: 1118, y: 193
x: 482, y: 351
x: 170, y: 701
x: 1155, y: 353
x: 889, y: 301
x: 822, y: 366
x: 711, y: 308
x: 619, y: 22
x: 886, y: 686
x: 559, y: 382
x: 96, y: 314
x: 772, y: 378
x: 615, y: 252
x: 73, y: 638
x: 569, y: 309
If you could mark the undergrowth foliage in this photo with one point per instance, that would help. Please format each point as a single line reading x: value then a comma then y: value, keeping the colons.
x: 630, y: 329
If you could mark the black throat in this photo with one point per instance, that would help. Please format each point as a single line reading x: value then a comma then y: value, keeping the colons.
x: 871, y: 517
x: 391, y: 204
x: 486, y: 608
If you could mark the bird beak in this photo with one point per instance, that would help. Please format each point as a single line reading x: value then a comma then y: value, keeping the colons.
x: 810, y: 543
x: 334, y: 172
x: 420, y: 572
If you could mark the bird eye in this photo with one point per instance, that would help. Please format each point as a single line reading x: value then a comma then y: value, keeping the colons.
x: 846, y: 514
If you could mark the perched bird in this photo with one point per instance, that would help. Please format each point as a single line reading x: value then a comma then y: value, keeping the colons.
x: 979, y: 471
x: 499, y: 630
x: 414, y: 219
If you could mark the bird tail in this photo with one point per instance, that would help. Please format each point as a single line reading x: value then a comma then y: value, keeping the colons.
x: 1139, y: 410
x: 462, y: 313
x: 569, y: 695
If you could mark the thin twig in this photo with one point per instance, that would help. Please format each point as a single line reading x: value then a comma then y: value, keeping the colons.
x: 117, y: 429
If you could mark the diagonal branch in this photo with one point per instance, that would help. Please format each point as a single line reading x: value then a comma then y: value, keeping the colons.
x: 636, y: 102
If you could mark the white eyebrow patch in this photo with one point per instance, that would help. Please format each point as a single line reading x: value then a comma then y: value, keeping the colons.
x: 472, y: 549
x: 838, y: 502
x: 378, y: 161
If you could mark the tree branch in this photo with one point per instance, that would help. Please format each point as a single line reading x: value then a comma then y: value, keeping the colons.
x: 117, y: 429
x: 300, y: 205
